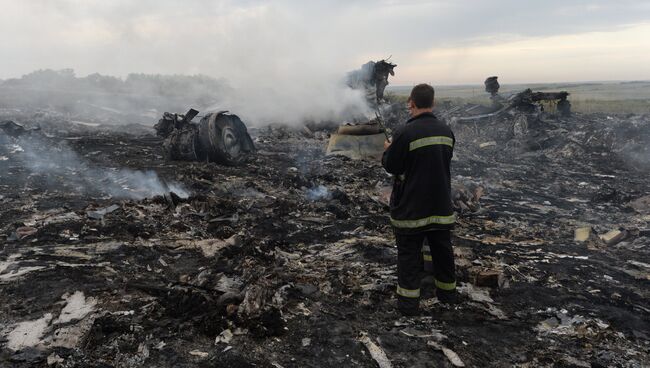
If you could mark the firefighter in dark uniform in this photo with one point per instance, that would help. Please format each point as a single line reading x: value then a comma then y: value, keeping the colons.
x: 419, y: 157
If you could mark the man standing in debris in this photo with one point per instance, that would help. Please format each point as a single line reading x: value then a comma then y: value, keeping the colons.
x: 419, y: 157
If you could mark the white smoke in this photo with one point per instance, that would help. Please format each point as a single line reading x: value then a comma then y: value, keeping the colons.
x: 63, y: 168
x: 279, y: 71
x: 282, y: 62
x: 318, y: 192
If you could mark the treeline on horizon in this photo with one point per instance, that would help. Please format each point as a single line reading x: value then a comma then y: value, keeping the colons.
x: 138, y: 93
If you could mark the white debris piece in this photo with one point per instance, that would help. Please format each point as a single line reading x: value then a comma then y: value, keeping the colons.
x: 564, y: 324
x: 224, y: 337
x: 435, y: 334
x: 14, y: 148
x: 77, y: 307
x: 475, y: 293
x: 210, y: 247
x: 375, y: 351
x: 143, y: 350
x: 488, y: 144
x: 53, y: 359
x: 19, y: 272
x: 198, y: 353
x: 71, y: 336
x: 227, y: 284
x: 161, y: 345
x: 10, y: 260
x: 28, y: 333
x: 495, y: 311
x: 450, y: 354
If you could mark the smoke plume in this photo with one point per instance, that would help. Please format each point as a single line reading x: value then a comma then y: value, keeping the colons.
x: 271, y: 65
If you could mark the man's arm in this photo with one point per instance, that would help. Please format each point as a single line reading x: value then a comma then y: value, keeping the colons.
x: 394, y: 157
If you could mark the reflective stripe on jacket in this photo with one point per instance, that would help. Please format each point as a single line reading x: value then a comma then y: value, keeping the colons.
x: 420, y: 158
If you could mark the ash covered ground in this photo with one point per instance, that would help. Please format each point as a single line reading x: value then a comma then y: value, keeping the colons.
x: 289, y: 260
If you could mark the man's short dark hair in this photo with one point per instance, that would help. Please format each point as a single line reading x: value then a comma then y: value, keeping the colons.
x: 422, y: 96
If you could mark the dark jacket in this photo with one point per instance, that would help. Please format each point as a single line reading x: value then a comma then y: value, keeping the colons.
x: 420, y: 157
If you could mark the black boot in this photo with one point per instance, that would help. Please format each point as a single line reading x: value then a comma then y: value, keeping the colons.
x: 447, y: 296
x: 408, y: 306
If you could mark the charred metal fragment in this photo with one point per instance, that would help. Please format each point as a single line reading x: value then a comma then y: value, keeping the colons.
x: 13, y: 129
x: 171, y: 122
x: 526, y: 101
x: 492, y: 85
x: 373, y: 78
x: 219, y: 137
x: 358, y: 141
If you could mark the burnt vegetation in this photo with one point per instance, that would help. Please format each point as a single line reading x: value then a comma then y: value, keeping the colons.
x: 287, y: 259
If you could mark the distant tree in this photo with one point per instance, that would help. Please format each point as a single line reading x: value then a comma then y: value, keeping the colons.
x: 104, y: 83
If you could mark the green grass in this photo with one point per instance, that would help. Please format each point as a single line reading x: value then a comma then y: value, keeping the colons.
x: 604, y: 97
x: 612, y: 106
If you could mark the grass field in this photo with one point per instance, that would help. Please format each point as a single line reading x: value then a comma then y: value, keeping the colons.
x: 607, y: 97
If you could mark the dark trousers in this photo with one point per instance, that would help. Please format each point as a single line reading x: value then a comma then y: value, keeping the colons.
x: 410, y: 265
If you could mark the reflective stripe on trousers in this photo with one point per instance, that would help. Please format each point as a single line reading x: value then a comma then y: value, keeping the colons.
x: 408, y: 293
x: 412, y: 224
x: 445, y: 285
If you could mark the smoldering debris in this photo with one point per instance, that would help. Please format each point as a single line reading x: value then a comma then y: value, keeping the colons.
x: 14, y: 130
x: 57, y: 164
x: 249, y: 270
x: 318, y: 193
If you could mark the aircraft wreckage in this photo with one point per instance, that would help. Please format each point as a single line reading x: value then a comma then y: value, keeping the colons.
x: 218, y: 137
x: 363, y: 140
x: 525, y: 101
x: 372, y: 78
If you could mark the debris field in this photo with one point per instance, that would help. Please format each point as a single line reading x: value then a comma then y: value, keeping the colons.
x: 114, y: 257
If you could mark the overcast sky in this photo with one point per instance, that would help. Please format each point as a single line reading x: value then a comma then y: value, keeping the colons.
x: 441, y: 42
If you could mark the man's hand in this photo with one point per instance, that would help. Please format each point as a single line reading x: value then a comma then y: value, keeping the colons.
x: 387, y: 144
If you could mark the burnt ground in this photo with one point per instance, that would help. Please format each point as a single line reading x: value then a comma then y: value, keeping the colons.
x: 256, y: 269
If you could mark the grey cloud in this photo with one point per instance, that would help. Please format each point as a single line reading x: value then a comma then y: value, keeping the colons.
x: 406, y: 25
x: 290, y: 38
